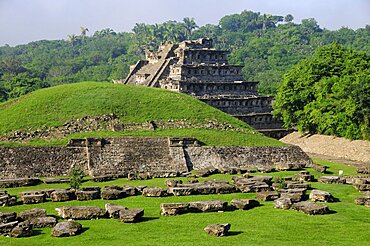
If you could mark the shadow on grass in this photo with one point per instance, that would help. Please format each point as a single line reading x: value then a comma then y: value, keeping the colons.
x: 37, y: 232
x: 146, y: 219
x: 233, y: 233
x: 84, y: 229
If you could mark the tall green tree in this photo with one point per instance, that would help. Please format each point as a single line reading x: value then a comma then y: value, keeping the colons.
x: 328, y: 93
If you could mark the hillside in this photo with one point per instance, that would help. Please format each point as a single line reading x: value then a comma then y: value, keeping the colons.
x: 90, y: 108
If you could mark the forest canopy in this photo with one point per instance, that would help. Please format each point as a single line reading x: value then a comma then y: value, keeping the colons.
x: 267, y: 45
x: 328, y: 93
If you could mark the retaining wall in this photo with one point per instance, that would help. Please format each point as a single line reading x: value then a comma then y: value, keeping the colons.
x: 134, y: 154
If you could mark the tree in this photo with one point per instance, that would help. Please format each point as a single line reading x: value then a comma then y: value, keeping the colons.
x: 84, y: 31
x: 288, y: 18
x: 189, y: 25
x: 328, y: 93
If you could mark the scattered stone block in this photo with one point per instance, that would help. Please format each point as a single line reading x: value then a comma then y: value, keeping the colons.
x: 114, y: 210
x: 32, y: 213
x: 267, y: 196
x: 41, y: 222
x: 205, y: 172
x: 303, y: 176
x: 18, y: 182
x: 229, y: 170
x: 208, y: 206
x: 154, y: 192
x: 56, y: 180
x: 129, y: 190
x: 321, y: 196
x: 217, y: 230
x: 5, y: 228
x: 244, y: 204
x: 131, y: 215
x: 284, y: 166
x: 6, y: 217
x: 139, y: 189
x: 295, y: 195
x: 104, y: 178
x: 172, y: 182
x: 283, y: 203
x: 23, y: 229
x: 112, y: 194
x: 81, y: 212
x: 174, y: 208
x: 363, y: 169
x: 181, y: 191
x: 311, y: 208
x: 7, y: 200
x: 332, y: 180
x: 319, y: 168
x: 62, y: 195
x: 34, y: 198
x: 266, y: 169
x: 297, y: 185
x: 67, y: 229
x: 85, y: 195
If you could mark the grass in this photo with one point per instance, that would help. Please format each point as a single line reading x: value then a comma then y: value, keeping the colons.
x: 264, y: 225
x: 55, y: 106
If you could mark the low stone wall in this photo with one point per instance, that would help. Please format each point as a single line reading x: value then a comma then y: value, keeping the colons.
x: 121, y: 156
x: 40, y: 161
x: 250, y: 157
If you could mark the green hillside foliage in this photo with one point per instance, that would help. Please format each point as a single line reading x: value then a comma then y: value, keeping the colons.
x: 328, y: 93
x: 267, y: 45
x: 57, y: 105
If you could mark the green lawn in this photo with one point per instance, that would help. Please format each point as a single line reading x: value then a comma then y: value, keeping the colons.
x: 57, y: 105
x: 264, y: 225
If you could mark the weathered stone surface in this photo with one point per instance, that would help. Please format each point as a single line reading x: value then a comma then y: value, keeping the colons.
x: 181, y: 191
x: 244, y: 204
x: 62, y: 195
x: 311, y: 208
x: 32, y: 199
x: 5, y: 228
x: 252, y: 184
x: 130, y: 190
x: 32, y: 213
x: 104, y: 178
x: 85, y: 195
x: 154, y: 192
x: 131, y: 215
x: 229, y: 170
x: 6, y: 217
x: 66, y: 229
x: 23, y: 229
x: 362, y: 187
x: 81, y: 212
x: 283, y: 203
x: 174, y: 208
x: 208, y: 206
x: 332, y: 180
x: 7, y: 200
x: 303, y: 176
x: 112, y: 194
x: 56, y: 180
x: 297, y: 185
x: 319, y: 168
x: 47, y: 192
x: 267, y: 196
x: 206, y: 171
x: 114, y: 210
x: 363, y: 169
x: 295, y: 195
x: 285, y: 166
x: 18, y: 182
x: 41, y: 222
x: 321, y: 196
x: 172, y: 182
x: 139, y: 189
x: 217, y: 230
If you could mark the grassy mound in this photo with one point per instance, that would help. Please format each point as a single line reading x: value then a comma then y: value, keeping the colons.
x: 52, y: 107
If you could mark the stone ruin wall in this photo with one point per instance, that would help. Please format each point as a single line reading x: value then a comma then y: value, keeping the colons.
x: 131, y: 154
x: 16, y: 162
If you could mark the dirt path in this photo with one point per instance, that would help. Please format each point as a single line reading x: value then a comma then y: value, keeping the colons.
x: 341, y: 150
